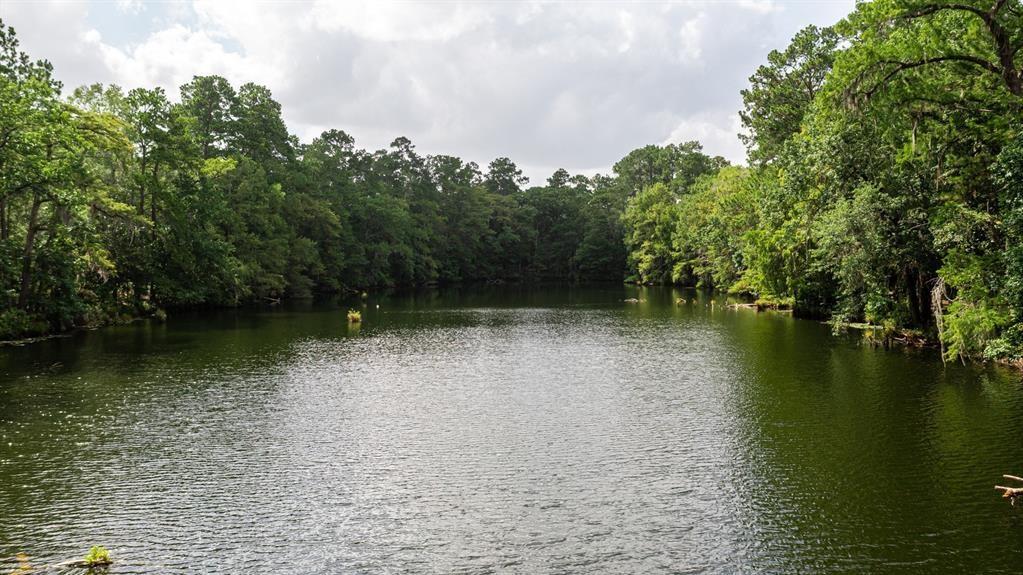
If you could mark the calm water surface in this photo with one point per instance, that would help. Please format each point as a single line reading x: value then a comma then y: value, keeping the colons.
x: 505, y: 431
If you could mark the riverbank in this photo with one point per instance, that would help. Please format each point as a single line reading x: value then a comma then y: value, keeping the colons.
x: 21, y: 331
x: 872, y: 334
x: 877, y: 335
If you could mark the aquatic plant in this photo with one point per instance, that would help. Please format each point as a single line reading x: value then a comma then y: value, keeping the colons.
x: 98, y: 556
x: 354, y: 316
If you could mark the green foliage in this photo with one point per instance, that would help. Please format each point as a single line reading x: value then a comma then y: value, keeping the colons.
x: 16, y: 323
x: 887, y: 159
x: 113, y: 204
x: 886, y: 186
x: 782, y: 91
x: 1009, y: 178
x: 708, y: 243
x: 650, y: 220
x: 97, y: 556
x: 354, y: 316
x: 1008, y: 347
x: 657, y: 179
x: 861, y: 242
x: 676, y: 165
x: 970, y: 328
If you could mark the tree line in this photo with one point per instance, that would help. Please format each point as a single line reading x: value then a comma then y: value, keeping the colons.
x: 884, y: 185
x: 117, y: 204
x: 885, y: 180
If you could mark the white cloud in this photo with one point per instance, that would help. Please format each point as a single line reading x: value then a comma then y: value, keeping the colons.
x: 691, y: 39
x: 399, y: 21
x: 130, y: 6
x: 575, y: 85
x: 719, y: 136
x: 762, y: 6
x: 170, y: 57
x: 628, y: 30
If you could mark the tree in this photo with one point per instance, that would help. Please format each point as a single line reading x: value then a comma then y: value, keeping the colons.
x: 911, y: 40
x: 47, y: 192
x: 211, y: 103
x: 782, y: 91
x: 504, y: 177
x: 650, y: 220
x: 676, y: 165
x: 259, y: 129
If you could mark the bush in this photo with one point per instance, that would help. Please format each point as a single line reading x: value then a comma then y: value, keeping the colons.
x: 16, y: 323
x: 1008, y: 347
x: 969, y: 328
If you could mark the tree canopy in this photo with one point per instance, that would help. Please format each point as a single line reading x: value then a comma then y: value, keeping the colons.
x: 883, y: 186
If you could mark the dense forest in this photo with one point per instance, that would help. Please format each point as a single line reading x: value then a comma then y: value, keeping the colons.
x: 884, y: 185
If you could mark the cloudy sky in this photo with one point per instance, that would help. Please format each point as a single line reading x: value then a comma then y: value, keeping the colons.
x: 569, y: 84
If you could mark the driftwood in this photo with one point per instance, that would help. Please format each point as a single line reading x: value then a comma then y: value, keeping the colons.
x: 1012, y: 493
x: 25, y: 567
x: 761, y: 306
x: 87, y: 564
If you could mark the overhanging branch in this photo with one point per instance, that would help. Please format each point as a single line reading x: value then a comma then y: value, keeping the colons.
x: 903, y: 66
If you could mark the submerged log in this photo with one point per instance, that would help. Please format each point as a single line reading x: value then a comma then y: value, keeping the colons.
x: 84, y: 564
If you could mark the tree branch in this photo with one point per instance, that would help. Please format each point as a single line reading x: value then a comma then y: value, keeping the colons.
x: 1000, y: 37
x: 903, y: 66
x: 931, y: 9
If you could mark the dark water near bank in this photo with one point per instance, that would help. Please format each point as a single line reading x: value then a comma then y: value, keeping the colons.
x: 502, y: 430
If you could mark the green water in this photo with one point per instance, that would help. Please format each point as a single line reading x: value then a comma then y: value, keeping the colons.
x: 544, y: 430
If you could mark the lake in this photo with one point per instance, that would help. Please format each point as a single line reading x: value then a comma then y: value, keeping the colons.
x: 505, y: 429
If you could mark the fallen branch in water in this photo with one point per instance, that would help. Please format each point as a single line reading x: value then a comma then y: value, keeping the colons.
x: 97, y: 558
x: 1011, y: 492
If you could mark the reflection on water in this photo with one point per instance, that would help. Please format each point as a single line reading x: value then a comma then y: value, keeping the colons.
x: 505, y: 430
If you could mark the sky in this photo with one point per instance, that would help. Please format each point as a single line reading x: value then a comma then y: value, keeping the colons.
x: 573, y: 85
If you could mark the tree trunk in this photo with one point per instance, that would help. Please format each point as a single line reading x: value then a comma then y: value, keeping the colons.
x: 26, y: 258
x: 1006, y: 51
x: 152, y: 196
x: 142, y: 180
x: 913, y: 295
x: 937, y: 298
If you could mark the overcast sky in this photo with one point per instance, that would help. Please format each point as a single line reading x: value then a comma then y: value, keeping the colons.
x: 571, y: 84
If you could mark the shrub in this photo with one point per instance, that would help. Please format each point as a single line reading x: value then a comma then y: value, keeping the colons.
x: 16, y: 323
x: 968, y: 330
